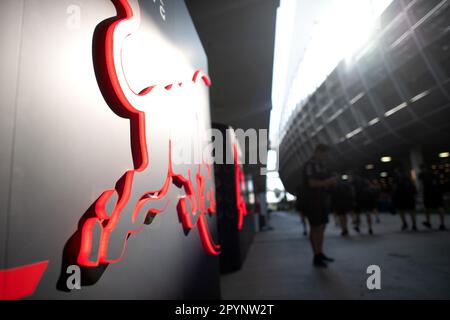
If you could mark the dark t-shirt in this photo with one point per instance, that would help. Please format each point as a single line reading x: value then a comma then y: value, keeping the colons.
x: 314, y: 198
x: 404, y: 194
x: 342, y: 197
x: 429, y: 183
x: 432, y: 193
x: 365, y: 195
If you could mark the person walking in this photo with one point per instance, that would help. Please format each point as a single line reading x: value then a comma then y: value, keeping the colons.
x: 342, y: 203
x: 376, y: 193
x: 432, y: 197
x: 405, y: 198
x: 365, y: 202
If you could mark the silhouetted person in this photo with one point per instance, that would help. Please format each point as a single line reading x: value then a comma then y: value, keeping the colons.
x: 432, y: 196
x: 342, y: 203
x: 405, y: 198
x: 316, y: 180
x: 376, y: 191
x: 385, y: 198
x: 365, y: 202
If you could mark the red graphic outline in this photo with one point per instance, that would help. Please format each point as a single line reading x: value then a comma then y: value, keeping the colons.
x: 239, y: 182
x: 108, y: 77
x: 21, y: 282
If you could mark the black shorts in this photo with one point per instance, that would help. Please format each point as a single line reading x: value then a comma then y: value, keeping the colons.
x: 341, y: 211
x: 365, y: 208
x: 317, y: 215
x: 404, y: 205
x: 433, y: 201
x: 315, y: 208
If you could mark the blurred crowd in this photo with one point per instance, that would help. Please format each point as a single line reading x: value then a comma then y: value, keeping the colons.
x: 353, y: 197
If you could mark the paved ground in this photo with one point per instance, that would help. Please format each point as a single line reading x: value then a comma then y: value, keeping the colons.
x: 414, y: 265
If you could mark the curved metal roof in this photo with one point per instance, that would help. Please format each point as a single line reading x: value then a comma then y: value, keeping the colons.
x: 394, y: 95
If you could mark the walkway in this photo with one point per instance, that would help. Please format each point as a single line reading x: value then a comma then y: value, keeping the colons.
x: 414, y: 265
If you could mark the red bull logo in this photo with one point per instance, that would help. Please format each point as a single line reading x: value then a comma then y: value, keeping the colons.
x: 123, y: 204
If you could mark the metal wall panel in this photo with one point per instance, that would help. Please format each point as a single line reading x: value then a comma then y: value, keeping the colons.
x: 10, y: 24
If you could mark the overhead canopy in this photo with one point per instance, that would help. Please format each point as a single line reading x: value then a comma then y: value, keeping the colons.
x: 238, y: 37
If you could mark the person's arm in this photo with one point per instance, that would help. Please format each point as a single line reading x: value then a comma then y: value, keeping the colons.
x: 315, y: 183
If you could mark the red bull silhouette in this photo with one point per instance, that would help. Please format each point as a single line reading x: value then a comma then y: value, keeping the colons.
x: 124, y: 210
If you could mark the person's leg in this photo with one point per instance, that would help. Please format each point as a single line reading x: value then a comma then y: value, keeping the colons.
x: 369, y: 221
x: 413, y: 219
x: 441, y: 212
x: 402, y: 217
x: 320, y: 237
x: 322, y: 256
x: 427, y: 222
x: 343, y: 222
x: 356, y: 220
x: 377, y: 215
x: 316, y: 238
x: 313, y: 238
x: 354, y: 217
x: 305, y: 225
